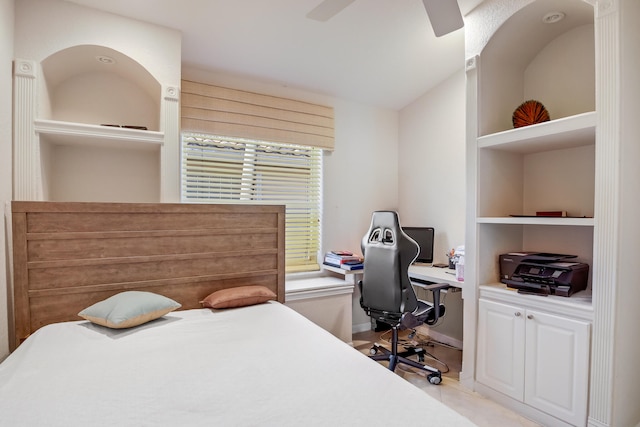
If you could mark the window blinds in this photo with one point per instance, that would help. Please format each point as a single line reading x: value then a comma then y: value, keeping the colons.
x: 217, y: 110
x: 231, y: 170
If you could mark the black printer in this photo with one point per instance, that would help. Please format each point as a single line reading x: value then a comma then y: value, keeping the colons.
x: 543, y: 273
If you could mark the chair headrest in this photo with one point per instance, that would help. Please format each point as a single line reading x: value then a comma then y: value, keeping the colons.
x: 388, y: 252
x: 385, y: 230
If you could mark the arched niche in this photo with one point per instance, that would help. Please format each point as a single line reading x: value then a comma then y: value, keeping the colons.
x: 526, y: 58
x: 98, y: 85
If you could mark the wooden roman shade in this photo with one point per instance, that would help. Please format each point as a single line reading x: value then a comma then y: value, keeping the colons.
x: 220, y: 111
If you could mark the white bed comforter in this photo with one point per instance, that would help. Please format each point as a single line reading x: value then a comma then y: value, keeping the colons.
x: 262, y: 365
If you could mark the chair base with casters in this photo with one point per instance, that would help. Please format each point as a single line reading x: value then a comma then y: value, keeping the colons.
x: 379, y: 353
x: 425, y: 313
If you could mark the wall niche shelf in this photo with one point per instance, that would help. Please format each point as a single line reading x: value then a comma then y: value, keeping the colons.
x: 69, y: 133
x: 567, y: 132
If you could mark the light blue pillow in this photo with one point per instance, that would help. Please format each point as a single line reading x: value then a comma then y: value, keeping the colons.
x: 128, y: 309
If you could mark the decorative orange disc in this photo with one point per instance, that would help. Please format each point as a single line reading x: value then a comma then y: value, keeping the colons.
x: 529, y: 113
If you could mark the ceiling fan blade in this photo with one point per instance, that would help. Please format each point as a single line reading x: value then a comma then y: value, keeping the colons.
x: 328, y: 9
x: 444, y: 15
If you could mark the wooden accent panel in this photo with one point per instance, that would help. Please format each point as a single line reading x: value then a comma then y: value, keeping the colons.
x: 68, y: 256
x: 47, y: 246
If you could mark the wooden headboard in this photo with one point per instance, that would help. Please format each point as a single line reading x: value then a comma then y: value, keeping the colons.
x: 68, y: 255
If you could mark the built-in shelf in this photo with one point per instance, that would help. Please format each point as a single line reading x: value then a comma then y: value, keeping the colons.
x: 585, y: 222
x: 68, y: 133
x: 578, y: 305
x: 549, y: 166
x: 567, y: 132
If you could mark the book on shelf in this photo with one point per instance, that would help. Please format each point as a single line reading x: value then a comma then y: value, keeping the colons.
x: 338, y: 260
x: 342, y: 253
x: 552, y: 213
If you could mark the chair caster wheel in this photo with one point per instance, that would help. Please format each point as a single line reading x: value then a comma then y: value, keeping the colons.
x: 373, y: 351
x: 434, y: 379
x: 420, y: 358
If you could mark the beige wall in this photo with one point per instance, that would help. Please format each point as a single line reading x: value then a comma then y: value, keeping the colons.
x: 431, y: 178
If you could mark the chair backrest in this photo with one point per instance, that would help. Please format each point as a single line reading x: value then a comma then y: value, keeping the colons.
x: 388, y: 252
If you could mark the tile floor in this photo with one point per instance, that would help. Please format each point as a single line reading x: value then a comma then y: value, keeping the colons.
x: 482, y: 411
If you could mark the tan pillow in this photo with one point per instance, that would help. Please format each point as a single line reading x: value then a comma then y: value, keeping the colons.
x: 238, y: 297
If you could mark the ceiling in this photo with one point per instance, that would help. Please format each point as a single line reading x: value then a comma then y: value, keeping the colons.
x: 376, y: 52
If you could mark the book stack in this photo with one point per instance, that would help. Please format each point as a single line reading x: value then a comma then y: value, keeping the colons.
x: 343, y: 259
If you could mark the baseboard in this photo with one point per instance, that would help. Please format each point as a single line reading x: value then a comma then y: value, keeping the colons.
x: 362, y: 327
x: 437, y: 336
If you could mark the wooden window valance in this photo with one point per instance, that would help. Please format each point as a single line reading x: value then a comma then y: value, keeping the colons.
x: 228, y: 112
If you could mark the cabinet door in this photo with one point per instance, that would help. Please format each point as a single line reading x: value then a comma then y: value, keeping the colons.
x: 557, y: 366
x: 501, y: 340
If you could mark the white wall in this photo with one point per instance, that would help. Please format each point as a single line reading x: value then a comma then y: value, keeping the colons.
x: 98, y: 174
x: 360, y: 176
x: 432, y: 158
x: 6, y: 61
x: 431, y: 183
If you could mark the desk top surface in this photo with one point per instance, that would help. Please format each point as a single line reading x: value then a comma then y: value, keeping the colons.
x: 417, y: 271
x: 434, y: 274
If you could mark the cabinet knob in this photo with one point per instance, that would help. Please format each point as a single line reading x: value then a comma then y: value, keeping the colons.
x: 530, y: 316
x: 517, y: 314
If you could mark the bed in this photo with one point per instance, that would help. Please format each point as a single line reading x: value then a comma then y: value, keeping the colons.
x: 257, y: 364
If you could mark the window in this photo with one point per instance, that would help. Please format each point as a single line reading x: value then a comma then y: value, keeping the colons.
x: 231, y: 170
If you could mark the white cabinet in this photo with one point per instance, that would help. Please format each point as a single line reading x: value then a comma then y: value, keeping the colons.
x: 501, y: 348
x: 535, y: 357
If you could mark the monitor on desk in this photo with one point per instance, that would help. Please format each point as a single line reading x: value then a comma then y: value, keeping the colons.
x: 424, y: 238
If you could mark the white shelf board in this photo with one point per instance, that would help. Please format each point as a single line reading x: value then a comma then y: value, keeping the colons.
x: 567, y: 132
x: 538, y: 220
x: 69, y: 133
x: 578, y: 305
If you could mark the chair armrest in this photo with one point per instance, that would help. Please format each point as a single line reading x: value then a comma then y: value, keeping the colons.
x: 432, y: 286
x: 435, y: 289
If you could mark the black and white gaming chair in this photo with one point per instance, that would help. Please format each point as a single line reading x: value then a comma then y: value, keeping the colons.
x: 386, y: 292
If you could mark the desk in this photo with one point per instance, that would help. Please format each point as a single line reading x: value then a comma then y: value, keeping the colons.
x: 434, y: 274
x: 451, y: 329
x: 416, y: 271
